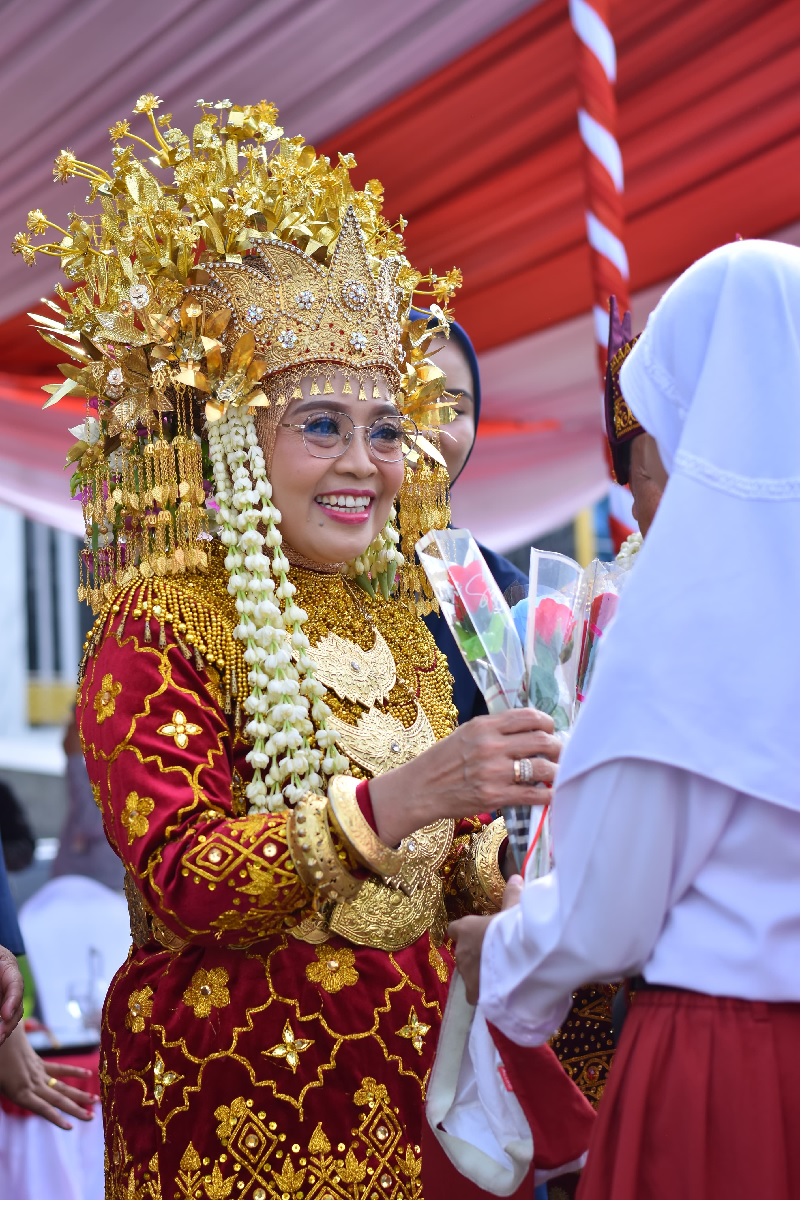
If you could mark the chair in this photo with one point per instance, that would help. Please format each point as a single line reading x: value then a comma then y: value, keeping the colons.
x: 76, y: 936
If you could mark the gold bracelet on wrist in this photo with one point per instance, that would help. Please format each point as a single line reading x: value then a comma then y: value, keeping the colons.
x: 357, y: 834
x: 314, y: 855
x: 480, y: 880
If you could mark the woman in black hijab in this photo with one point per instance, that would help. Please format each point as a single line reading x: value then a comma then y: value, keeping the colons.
x: 458, y: 360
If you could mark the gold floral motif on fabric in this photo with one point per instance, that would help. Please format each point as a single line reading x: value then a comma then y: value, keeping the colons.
x: 106, y: 699
x: 359, y: 675
x: 180, y: 729
x: 333, y: 969
x: 135, y: 815
x: 207, y: 990
x: 437, y: 962
x: 415, y: 1030
x: 140, y: 1007
x: 290, y: 1047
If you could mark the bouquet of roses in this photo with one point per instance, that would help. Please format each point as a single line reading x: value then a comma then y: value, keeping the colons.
x: 483, y: 627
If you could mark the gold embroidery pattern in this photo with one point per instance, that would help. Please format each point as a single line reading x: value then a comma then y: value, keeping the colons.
x: 415, y: 1030
x: 290, y: 1048
x: 106, y: 698
x: 135, y: 815
x: 162, y: 1078
x: 334, y: 968
x: 121, y: 1180
x: 250, y: 1139
x: 207, y: 990
x: 584, y: 1043
x: 376, y: 1165
x: 140, y: 1007
x: 438, y: 962
x: 181, y: 729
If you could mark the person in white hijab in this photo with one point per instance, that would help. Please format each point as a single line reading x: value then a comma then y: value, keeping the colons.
x: 676, y: 814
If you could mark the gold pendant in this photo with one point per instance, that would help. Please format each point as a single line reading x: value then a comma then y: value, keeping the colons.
x: 364, y: 676
x: 378, y: 742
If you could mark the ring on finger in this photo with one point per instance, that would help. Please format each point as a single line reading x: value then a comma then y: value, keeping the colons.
x: 52, y: 1082
x: 523, y: 771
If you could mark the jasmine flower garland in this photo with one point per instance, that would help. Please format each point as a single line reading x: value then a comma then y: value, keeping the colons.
x: 286, y: 704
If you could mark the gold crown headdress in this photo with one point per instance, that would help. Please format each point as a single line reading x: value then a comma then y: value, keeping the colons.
x: 216, y: 275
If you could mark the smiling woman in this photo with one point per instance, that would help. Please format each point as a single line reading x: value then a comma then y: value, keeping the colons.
x: 334, y: 489
x: 252, y: 667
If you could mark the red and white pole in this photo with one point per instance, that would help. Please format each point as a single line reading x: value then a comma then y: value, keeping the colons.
x: 604, y: 177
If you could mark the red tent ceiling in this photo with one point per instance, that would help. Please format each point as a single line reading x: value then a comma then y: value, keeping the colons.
x: 473, y: 132
x: 484, y: 158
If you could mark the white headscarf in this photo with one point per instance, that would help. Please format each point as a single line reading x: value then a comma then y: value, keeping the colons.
x: 700, y: 670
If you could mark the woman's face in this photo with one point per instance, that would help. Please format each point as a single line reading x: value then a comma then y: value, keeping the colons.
x: 332, y: 508
x: 458, y: 436
x: 648, y: 479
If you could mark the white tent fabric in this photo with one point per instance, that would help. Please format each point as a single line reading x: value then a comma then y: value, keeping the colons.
x: 70, y: 70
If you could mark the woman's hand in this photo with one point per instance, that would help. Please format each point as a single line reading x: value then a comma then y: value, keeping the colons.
x: 35, y: 1085
x: 468, y: 934
x: 11, y: 988
x: 469, y: 772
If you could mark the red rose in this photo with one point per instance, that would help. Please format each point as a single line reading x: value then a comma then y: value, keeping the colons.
x: 472, y: 587
x: 603, y: 610
x: 553, y: 618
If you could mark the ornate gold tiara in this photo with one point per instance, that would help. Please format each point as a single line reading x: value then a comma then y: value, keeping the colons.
x: 217, y: 273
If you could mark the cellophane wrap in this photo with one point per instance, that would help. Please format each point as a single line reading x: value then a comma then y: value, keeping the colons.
x: 482, y: 624
x: 603, y: 582
x: 555, y: 607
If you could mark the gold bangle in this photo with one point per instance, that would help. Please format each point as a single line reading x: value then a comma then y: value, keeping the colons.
x: 357, y: 834
x: 480, y: 880
x: 314, y: 855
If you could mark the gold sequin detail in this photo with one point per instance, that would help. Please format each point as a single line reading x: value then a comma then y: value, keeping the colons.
x: 181, y: 729
x: 162, y: 1078
x: 415, y: 1030
x: 289, y: 1048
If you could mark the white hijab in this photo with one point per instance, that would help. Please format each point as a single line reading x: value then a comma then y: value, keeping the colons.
x: 700, y: 670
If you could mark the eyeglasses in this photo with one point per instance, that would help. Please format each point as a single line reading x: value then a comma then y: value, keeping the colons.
x: 328, y: 433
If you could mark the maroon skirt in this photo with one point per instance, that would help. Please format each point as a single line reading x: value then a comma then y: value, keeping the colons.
x: 703, y: 1102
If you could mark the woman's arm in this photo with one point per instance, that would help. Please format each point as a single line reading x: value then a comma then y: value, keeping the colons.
x: 159, y: 755
x: 629, y: 837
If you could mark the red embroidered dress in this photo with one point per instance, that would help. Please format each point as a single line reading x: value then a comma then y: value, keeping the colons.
x: 251, y: 1048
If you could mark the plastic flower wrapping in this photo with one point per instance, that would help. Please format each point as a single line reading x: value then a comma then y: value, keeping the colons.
x: 603, y: 583
x: 485, y: 632
x: 541, y: 653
